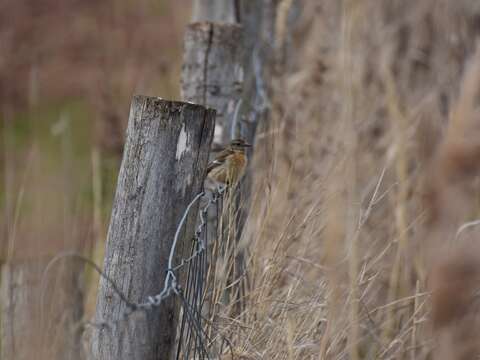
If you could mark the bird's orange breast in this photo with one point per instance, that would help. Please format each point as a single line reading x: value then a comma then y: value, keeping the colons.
x: 237, y: 164
x: 231, y: 170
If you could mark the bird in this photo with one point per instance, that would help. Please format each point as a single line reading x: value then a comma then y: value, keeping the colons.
x: 229, y: 165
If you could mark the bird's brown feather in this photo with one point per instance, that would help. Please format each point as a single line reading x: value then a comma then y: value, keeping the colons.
x: 219, y: 159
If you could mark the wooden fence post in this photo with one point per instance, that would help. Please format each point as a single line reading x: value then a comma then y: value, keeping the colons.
x: 213, y: 76
x: 224, y: 11
x: 224, y: 67
x: 163, y: 168
x: 212, y: 72
x: 258, y: 19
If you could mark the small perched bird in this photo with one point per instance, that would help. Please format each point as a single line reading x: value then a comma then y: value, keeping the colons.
x: 229, y: 165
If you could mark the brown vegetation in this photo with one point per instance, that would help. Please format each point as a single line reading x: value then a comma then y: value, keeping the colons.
x: 360, y: 186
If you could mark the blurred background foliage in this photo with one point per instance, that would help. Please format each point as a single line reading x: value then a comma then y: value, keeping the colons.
x: 68, y: 70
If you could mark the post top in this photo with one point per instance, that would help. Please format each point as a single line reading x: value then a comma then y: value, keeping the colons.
x: 155, y: 100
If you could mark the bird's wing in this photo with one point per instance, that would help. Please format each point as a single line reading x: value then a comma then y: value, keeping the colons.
x: 219, y: 159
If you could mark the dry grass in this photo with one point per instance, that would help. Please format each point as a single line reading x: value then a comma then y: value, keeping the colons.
x: 369, y: 158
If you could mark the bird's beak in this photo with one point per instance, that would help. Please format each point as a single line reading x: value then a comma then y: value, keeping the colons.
x: 247, y: 145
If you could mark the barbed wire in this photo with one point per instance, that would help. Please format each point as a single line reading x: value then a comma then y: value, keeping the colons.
x: 192, y: 339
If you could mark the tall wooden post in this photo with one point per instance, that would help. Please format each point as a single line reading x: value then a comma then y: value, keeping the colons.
x: 213, y: 76
x: 163, y: 168
x: 224, y: 11
x: 213, y: 71
x: 224, y: 67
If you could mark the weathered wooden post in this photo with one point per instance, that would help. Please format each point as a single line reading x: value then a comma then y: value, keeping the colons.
x: 258, y: 19
x: 213, y: 76
x: 223, y: 11
x: 163, y: 168
x: 223, y: 68
x: 212, y: 72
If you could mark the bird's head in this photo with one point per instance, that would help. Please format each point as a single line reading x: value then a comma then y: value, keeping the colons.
x: 239, y: 144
